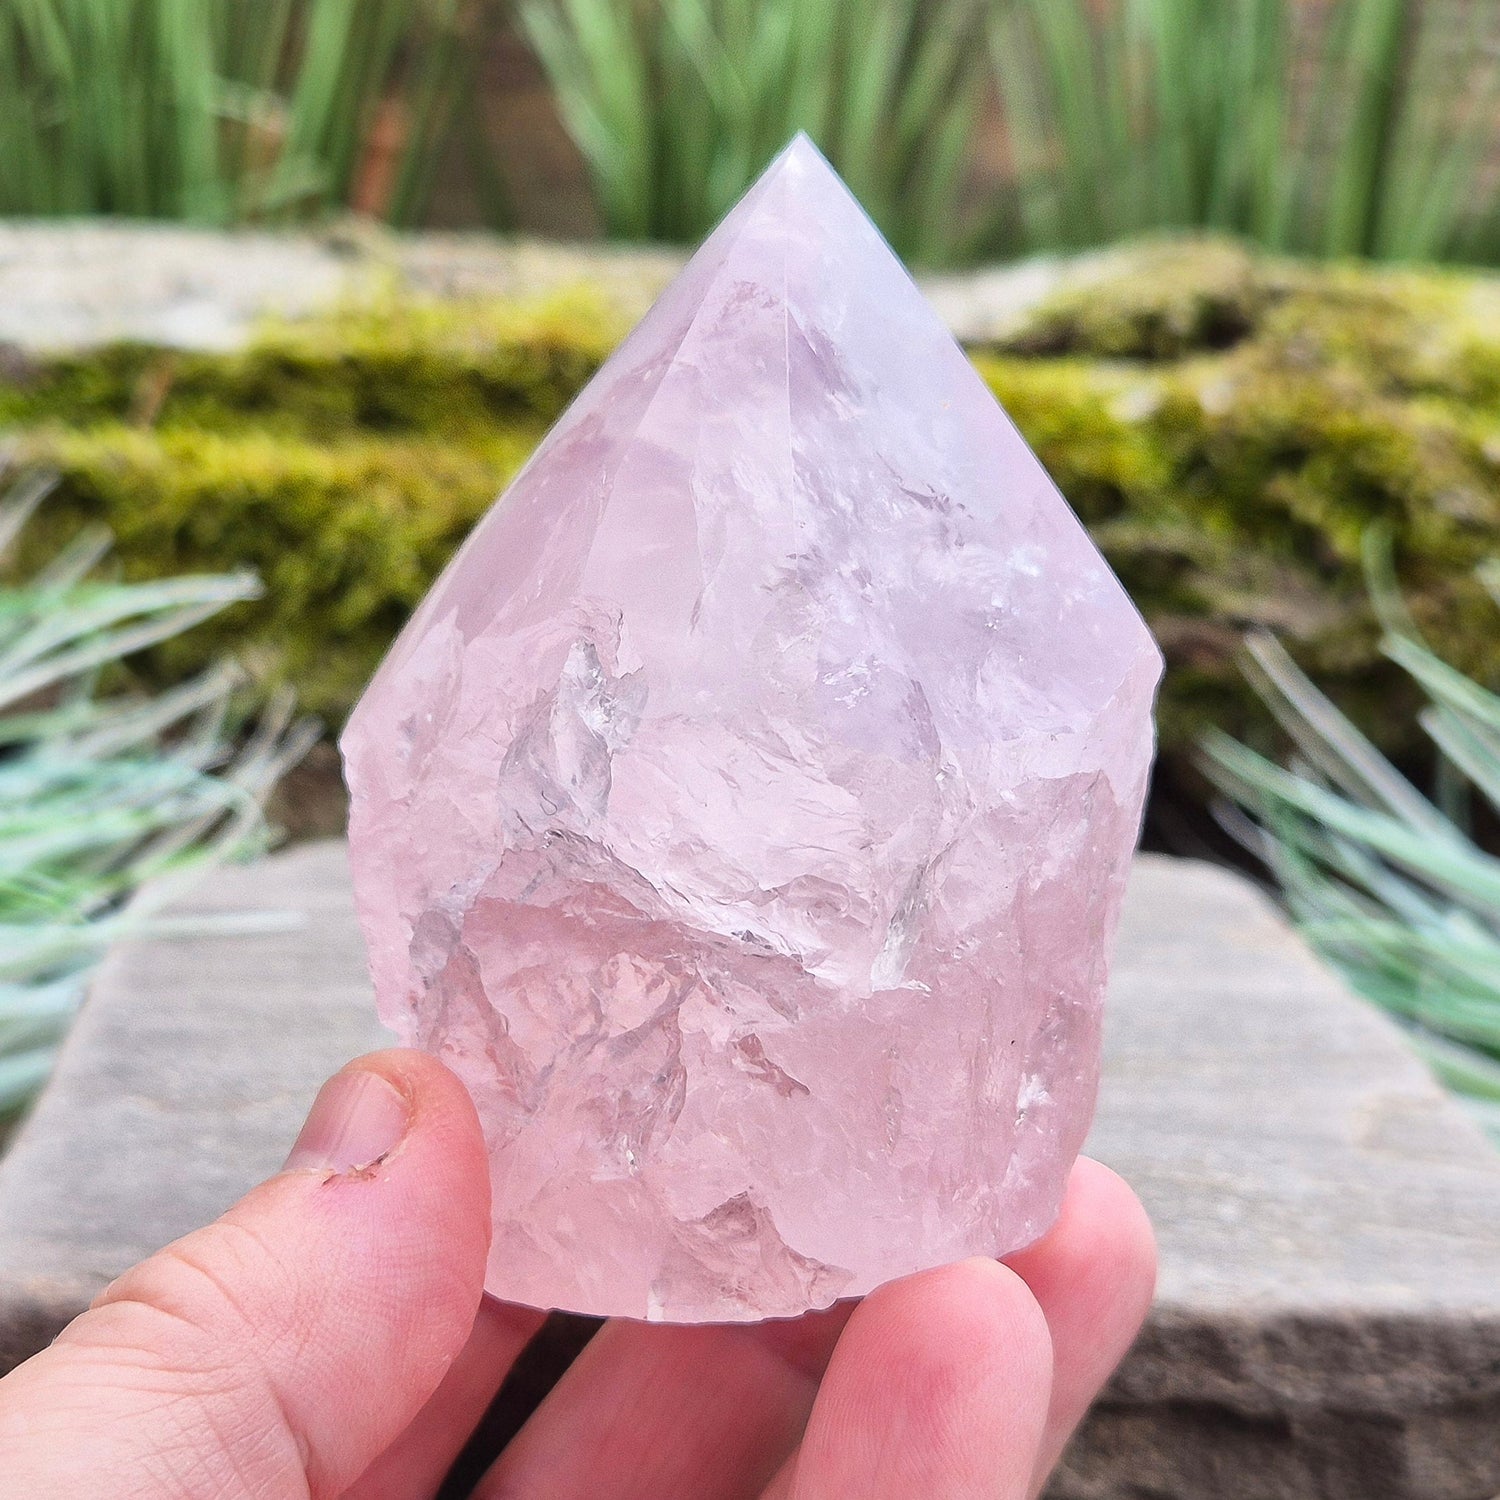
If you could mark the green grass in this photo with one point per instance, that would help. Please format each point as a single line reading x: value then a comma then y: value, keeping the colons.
x: 219, y: 111
x: 1370, y: 134
x: 1396, y: 891
x: 1355, y: 128
x: 108, y: 800
x: 1363, y: 128
x: 677, y: 105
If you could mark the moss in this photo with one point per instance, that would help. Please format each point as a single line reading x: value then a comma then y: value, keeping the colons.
x: 429, y: 369
x: 346, y: 536
x: 1084, y: 422
x: 1239, y: 482
x: 1152, y: 301
x: 1227, y: 426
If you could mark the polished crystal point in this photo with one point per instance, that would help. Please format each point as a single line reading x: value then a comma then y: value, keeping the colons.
x: 745, y: 813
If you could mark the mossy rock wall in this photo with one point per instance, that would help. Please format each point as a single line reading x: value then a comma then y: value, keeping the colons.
x: 1228, y: 427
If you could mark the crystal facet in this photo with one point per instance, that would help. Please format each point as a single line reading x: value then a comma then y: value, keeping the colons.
x: 745, y: 813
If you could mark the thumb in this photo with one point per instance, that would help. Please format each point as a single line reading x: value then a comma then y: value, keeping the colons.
x: 279, y: 1351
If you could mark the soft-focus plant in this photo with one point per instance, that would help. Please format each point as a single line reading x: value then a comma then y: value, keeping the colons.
x: 108, y: 799
x: 1393, y: 889
x: 1366, y: 127
x: 677, y: 105
x: 221, y: 111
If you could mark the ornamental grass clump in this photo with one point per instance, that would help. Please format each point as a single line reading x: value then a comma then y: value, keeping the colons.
x: 1399, y: 893
x: 677, y: 105
x: 222, y: 111
x: 109, y: 799
x: 1350, y: 128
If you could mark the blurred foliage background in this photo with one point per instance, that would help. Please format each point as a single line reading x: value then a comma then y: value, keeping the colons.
x: 970, y: 128
x: 220, y: 111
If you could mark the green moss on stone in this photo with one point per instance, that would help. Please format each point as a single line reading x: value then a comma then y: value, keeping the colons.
x: 346, y: 536
x: 1152, y: 301
x: 389, y: 367
x: 1349, y: 398
x: 1227, y: 426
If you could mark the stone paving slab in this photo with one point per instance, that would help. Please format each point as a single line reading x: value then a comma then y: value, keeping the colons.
x: 1328, y: 1322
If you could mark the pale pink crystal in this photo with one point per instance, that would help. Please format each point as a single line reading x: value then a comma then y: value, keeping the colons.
x: 744, y: 815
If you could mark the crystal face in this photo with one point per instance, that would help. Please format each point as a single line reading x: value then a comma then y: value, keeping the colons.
x: 745, y: 813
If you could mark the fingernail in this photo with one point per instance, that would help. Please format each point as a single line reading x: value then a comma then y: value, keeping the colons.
x: 357, y: 1118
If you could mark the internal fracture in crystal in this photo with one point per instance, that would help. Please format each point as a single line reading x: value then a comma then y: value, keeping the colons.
x: 744, y: 815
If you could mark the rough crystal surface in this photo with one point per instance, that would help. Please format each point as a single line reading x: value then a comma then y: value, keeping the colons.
x: 745, y: 813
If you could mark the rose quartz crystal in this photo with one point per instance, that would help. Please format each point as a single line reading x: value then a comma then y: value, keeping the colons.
x: 744, y: 815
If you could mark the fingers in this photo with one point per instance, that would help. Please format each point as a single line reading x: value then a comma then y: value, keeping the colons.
x: 710, y: 1411
x: 282, y: 1349
x: 1093, y: 1275
x: 938, y: 1388
x: 414, y: 1466
x: 650, y: 1410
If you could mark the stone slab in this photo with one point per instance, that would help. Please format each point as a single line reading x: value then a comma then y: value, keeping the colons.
x: 1328, y: 1322
x: 183, y: 1082
x: 78, y: 284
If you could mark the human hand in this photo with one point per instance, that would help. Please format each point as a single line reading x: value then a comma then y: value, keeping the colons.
x: 327, y: 1337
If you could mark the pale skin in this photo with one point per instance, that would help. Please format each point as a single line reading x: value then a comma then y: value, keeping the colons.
x: 328, y: 1337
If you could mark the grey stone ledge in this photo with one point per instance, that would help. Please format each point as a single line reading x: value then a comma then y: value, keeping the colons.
x: 1328, y: 1317
x: 77, y: 284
